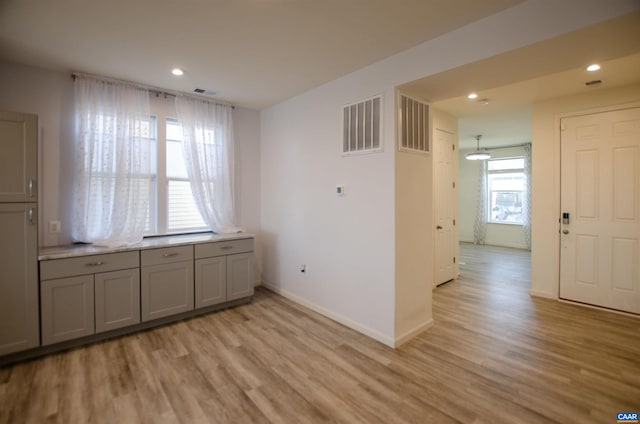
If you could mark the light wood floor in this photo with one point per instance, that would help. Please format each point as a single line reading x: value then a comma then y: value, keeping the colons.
x: 494, y: 355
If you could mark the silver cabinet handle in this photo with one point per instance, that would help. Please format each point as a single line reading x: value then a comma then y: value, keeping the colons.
x: 226, y: 247
x: 31, y: 184
x: 31, y: 216
x: 170, y: 255
x: 95, y: 263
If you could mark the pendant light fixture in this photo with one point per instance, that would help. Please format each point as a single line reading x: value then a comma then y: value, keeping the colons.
x: 478, y: 154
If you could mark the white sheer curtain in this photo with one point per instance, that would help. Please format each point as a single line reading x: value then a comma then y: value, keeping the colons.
x: 113, y: 161
x: 207, y: 130
x: 482, y: 213
x: 526, y: 204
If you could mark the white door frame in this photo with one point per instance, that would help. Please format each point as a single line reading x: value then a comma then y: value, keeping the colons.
x: 557, y: 134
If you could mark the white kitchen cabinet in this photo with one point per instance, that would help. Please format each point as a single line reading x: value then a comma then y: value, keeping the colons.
x: 117, y: 299
x: 239, y: 276
x: 19, y: 325
x: 211, y: 281
x: 66, y: 305
x: 19, y: 329
x: 224, y: 271
x: 18, y: 157
x: 84, y: 295
x: 166, y: 281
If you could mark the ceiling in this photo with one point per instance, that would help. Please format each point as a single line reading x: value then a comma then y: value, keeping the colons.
x: 253, y: 53
x: 506, y: 119
x: 513, y: 81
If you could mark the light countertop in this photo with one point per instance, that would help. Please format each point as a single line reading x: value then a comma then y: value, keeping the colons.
x: 73, y: 250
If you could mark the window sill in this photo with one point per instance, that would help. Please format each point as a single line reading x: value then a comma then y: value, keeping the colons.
x: 179, y: 233
x: 513, y: 224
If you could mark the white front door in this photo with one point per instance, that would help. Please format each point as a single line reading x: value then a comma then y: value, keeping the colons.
x: 600, y: 190
x: 444, y: 156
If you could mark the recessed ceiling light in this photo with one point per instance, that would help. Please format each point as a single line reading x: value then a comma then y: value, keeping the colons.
x: 593, y: 67
x: 472, y: 96
x: 177, y: 72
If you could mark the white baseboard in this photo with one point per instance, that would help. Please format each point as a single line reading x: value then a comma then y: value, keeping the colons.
x: 257, y: 283
x: 543, y: 294
x: 413, y: 332
x: 382, y: 338
x: 599, y: 308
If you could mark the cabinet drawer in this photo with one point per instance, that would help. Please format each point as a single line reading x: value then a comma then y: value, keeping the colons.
x: 166, y: 255
x: 68, y: 267
x: 221, y: 248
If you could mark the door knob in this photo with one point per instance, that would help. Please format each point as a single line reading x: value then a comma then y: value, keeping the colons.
x: 565, y: 231
x: 439, y: 227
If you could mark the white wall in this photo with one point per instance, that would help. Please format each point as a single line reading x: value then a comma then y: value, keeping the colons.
x: 345, y: 242
x: 469, y: 172
x: 348, y: 243
x: 49, y: 94
x: 246, y: 131
x: 546, y: 115
x: 468, y: 179
x: 413, y: 246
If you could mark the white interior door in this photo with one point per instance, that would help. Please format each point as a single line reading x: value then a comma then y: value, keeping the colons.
x: 446, y: 240
x: 600, y: 190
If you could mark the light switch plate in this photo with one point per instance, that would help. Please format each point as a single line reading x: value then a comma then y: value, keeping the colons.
x: 54, y: 226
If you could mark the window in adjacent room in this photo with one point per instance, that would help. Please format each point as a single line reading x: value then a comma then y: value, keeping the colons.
x: 506, y: 185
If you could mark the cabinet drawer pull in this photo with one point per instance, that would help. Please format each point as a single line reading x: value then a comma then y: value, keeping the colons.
x: 170, y: 255
x: 95, y: 263
x: 226, y: 247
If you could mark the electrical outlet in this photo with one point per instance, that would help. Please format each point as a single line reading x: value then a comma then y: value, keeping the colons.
x: 54, y: 226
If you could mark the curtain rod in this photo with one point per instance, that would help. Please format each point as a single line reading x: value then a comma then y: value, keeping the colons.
x: 151, y: 89
x: 506, y: 147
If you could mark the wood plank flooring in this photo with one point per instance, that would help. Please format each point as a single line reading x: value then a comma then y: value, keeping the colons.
x: 494, y: 355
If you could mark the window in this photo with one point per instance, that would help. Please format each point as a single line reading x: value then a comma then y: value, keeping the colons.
x: 172, y: 208
x: 505, y: 182
x: 103, y: 168
x: 182, y: 212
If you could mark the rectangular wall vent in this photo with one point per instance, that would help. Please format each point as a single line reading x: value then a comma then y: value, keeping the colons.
x: 413, y: 123
x: 362, y: 126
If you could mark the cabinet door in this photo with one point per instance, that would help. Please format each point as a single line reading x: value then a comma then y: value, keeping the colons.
x: 19, y: 329
x: 117, y: 299
x: 18, y: 158
x: 211, y: 281
x: 239, y: 276
x: 67, y: 308
x: 166, y: 289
